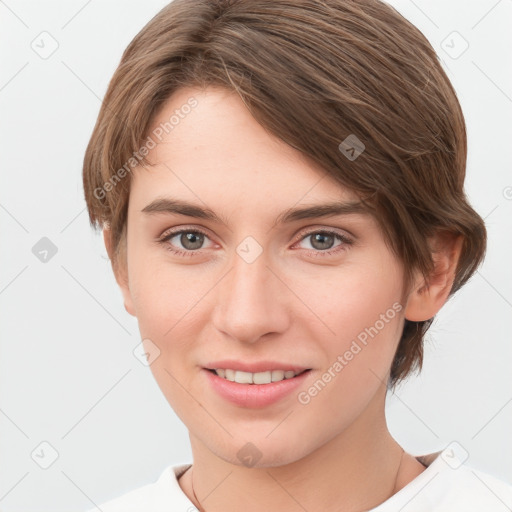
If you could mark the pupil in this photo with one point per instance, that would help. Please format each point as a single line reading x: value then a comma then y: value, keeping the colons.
x: 319, y: 237
x: 191, y: 241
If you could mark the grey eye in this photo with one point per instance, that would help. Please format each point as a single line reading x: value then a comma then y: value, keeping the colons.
x: 191, y: 240
x: 322, y: 241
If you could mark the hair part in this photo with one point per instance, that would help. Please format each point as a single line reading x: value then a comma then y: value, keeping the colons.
x: 312, y: 73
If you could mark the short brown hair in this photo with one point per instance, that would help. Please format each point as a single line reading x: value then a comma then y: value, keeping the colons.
x: 312, y: 72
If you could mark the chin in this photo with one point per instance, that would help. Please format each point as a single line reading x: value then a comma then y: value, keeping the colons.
x: 261, y: 452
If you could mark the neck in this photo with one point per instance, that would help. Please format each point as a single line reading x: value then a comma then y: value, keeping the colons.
x: 356, y: 470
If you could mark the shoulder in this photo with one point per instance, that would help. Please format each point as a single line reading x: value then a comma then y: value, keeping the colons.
x: 157, y: 496
x: 471, y: 489
x: 448, y: 484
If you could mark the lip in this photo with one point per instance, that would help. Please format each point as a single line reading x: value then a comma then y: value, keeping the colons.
x: 255, y: 396
x: 256, y: 367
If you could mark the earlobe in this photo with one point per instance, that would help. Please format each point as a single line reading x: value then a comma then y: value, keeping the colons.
x: 428, y: 296
x: 128, y: 304
x: 127, y: 296
x: 120, y: 273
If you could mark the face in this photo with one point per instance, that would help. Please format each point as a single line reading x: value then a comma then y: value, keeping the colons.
x: 245, y: 289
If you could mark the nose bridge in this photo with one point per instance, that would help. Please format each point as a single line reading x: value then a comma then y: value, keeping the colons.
x: 248, y: 306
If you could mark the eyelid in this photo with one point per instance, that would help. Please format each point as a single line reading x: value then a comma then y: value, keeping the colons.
x: 178, y: 229
x: 302, y: 232
x: 346, y: 237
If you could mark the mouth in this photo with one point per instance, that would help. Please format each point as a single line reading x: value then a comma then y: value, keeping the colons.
x: 265, y: 377
x: 255, y: 390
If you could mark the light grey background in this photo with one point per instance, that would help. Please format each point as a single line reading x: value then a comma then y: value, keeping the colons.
x: 68, y: 376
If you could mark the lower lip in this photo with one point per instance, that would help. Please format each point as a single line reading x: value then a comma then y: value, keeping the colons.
x: 254, y: 395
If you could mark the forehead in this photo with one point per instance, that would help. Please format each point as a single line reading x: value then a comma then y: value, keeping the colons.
x: 207, y: 142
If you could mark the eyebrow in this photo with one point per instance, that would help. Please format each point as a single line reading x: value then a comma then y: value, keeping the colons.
x: 180, y: 207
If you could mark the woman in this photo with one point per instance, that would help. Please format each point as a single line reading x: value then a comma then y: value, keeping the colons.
x: 280, y: 187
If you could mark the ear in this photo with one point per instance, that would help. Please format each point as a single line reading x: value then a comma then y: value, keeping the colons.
x: 428, y: 296
x: 120, y: 272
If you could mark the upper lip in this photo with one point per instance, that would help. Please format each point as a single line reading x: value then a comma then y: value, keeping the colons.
x: 255, y: 367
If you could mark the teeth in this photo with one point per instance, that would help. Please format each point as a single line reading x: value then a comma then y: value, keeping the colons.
x: 243, y: 377
x: 254, y: 378
x: 277, y: 375
x: 262, y: 378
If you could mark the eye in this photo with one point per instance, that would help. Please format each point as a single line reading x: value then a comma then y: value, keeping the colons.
x: 187, y: 242
x: 190, y: 240
x: 322, y: 242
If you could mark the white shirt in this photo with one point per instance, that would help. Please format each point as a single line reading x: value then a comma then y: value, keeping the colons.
x: 446, y: 485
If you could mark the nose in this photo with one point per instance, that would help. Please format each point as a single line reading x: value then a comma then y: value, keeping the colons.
x: 251, y: 301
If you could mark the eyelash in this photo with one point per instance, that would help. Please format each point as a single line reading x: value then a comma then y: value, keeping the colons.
x: 316, y: 253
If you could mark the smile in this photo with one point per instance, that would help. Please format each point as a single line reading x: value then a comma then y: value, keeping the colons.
x: 266, y: 377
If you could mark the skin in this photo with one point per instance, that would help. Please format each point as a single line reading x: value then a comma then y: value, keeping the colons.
x: 334, y: 453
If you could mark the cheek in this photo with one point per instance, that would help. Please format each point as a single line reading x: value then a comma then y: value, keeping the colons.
x: 168, y: 307
x: 364, y: 315
x: 352, y: 299
x: 357, y: 359
x: 165, y: 297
